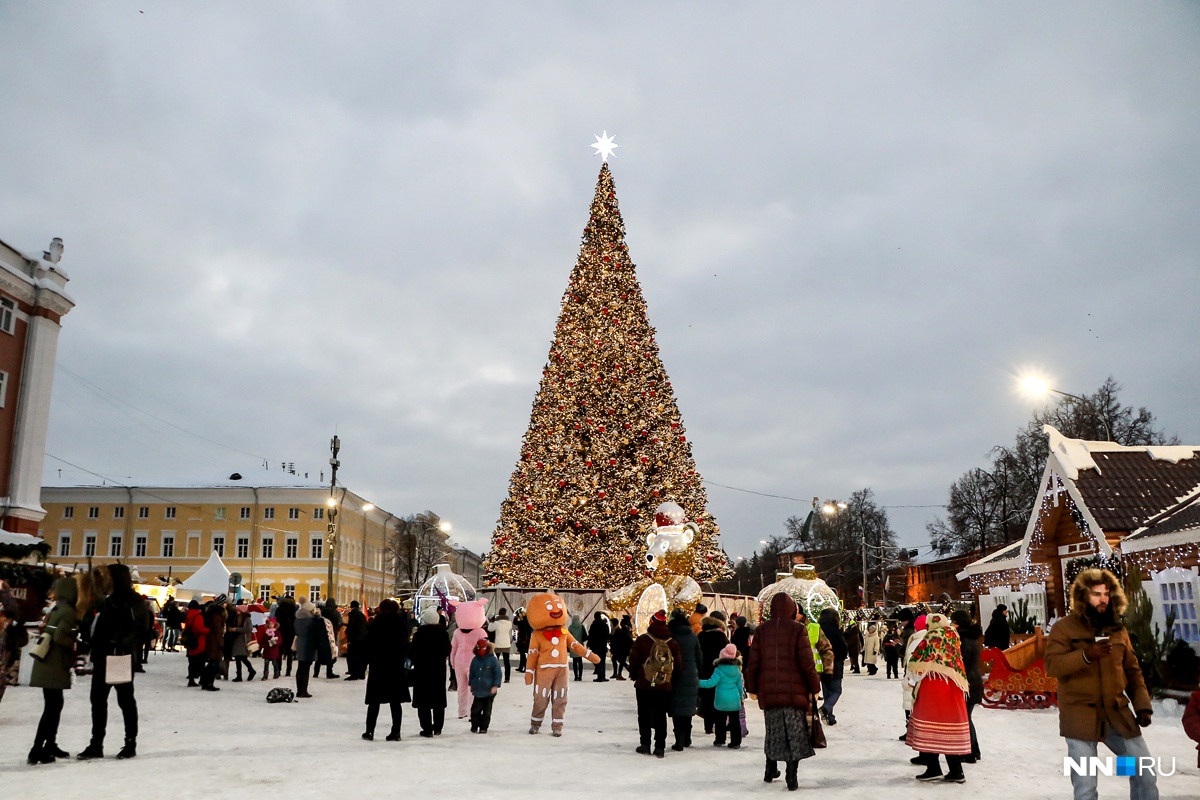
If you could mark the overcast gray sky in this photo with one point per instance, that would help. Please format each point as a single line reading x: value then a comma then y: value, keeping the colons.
x: 854, y: 224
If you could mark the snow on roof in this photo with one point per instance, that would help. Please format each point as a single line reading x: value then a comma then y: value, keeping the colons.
x: 25, y: 539
x: 256, y: 478
x: 1076, y: 454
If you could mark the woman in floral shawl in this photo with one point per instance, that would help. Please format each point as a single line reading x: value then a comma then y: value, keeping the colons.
x: 939, y: 724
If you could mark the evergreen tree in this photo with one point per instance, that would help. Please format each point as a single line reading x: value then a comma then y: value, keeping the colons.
x: 606, y: 443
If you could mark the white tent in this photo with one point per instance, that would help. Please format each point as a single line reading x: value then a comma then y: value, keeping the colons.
x: 212, y: 578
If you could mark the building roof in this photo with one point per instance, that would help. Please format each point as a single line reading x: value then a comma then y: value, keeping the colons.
x: 1127, y: 488
x: 1184, y: 516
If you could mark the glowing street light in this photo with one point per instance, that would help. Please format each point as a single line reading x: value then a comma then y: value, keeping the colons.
x: 1037, y: 387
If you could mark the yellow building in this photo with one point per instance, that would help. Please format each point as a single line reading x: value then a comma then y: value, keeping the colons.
x: 275, y: 534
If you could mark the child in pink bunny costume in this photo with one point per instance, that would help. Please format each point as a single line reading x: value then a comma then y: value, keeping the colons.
x: 469, y: 618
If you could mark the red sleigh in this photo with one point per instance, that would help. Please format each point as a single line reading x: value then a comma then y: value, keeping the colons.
x: 1016, y: 677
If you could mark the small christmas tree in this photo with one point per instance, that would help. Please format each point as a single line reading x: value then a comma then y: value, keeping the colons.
x: 606, y: 443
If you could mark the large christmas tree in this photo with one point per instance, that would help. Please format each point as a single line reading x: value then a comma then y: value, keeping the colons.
x: 606, y: 443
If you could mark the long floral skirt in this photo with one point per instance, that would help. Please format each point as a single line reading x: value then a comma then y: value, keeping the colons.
x: 787, y: 734
x: 939, y: 722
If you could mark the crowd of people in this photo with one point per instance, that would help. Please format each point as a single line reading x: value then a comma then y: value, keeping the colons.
x: 694, y: 668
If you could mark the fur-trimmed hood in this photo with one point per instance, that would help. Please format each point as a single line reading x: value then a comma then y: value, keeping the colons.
x: 1089, y: 578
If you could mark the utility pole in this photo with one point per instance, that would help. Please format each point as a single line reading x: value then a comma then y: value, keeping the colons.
x: 335, y: 444
x: 864, y: 575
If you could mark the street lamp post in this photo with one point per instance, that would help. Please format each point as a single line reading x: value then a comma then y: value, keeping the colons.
x: 1039, y: 388
x: 335, y: 444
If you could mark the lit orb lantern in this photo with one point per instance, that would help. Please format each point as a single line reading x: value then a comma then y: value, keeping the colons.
x: 443, y: 584
x: 652, y: 600
x: 810, y: 592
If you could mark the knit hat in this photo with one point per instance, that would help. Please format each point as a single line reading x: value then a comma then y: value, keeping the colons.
x: 429, y: 616
x: 660, y: 615
x: 920, y: 623
x: 728, y: 651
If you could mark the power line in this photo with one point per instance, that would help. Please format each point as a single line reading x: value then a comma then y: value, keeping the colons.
x: 798, y: 500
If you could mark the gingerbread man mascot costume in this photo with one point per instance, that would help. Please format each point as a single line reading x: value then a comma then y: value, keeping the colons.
x: 547, y: 660
x: 469, y: 618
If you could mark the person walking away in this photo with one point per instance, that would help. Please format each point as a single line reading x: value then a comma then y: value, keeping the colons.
x: 312, y: 644
x: 524, y: 634
x: 969, y: 635
x: 854, y: 643
x: 577, y: 630
x: 484, y: 680
x: 741, y: 638
x: 385, y: 649
x: 712, y: 640
x: 781, y: 673
x: 239, y: 648
x: 330, y: 612
x: 52, y: 672
x: 939, y: 724
x: 654, y: 664
x: 429, y: 652
x: 831, y: 680
x: 285, y: 615
x: 998, y: 634
x: 685, y: 686
x: 270, y: 644
x: 147, y: 633
x: 1090, y: 654
x: 356, y: 642
x: 891, y: 653
x: 115, y: 633
x: 727, y: 686
x: 597, y: 641
x: 502, y: 629
x: 195, y: 640
x: 214, y: 643
x: 620, y: 645
x: 871, y: 649
x: 173, y: 617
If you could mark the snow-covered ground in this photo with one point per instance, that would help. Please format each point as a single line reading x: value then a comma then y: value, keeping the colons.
x: 230, y: 743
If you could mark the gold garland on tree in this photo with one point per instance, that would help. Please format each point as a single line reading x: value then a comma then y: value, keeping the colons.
x: 606, y: 442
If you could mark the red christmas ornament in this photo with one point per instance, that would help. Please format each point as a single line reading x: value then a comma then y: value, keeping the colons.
x: 562, y: 484
x: 602, y: 494
x: 627, y: 558
x: 612, y: 462
x: 578, y: 572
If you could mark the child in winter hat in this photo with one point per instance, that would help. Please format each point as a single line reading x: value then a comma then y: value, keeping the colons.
x: 484, y: 679
x: 727, y: 699
x: 430, y: 616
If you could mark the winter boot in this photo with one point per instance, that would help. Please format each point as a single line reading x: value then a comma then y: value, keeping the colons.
x: 40, y: 755
x: 793, y: 781
x: 933, y: 771
x: 369, y: 736
x: 93, y: 750
x: 254, y: 672
x: 394, y: 736
x: 772, y: 771
x: 129, y: 750
x: 53, y: 749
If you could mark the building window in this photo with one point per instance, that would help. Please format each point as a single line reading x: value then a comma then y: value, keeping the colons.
x: 64, y: 545
x: 314, y: 593
x: 268, y: 513
x: 143, y: 512
x: 3, y: 388
x: 139, y: 546
x: 68, y: 512
x: 245, y: 513
x: 293, y: 513
x: 170, y: 512
x: 293, y: 547
x: 289, y: 590
x: 268, y: 547
x: 243, y: 547
x: 219, y: 512
x: 1179, y: 599
x: 7, y: 314
x: 264, y: 592
x: 318, y: 513
x: 89, y: 544
x: 93, y: 512
x: 114, y: 545
x: 219, y: 544
x: 119, y: 512
x: 318, y: 547
x: 168, y: 545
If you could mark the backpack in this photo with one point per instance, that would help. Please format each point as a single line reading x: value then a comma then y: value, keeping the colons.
x: 280, y: 695
x: 659, y: 663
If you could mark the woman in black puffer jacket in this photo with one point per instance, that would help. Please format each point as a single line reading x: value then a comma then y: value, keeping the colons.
x: 969, y: 634
x: 685, y: 688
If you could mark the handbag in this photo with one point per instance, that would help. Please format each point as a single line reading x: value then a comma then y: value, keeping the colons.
x: 41, y: 648
x: 253, y: 647
x: 118, y: 670
x: 816, y: 734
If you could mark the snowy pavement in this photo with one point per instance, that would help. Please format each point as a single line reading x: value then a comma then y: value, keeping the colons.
x: 197, y: 744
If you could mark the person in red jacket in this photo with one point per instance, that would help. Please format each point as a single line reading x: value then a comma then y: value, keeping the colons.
x: 195, y: 638
x: 270, y: 640
x: 780, y: 671
x: 1191, y: 721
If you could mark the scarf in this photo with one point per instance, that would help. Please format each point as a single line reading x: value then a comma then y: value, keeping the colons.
x: 940, y: 653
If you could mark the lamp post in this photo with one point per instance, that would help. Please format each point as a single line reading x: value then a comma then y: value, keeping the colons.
x: 1036, y: 387
x: 362, y: 567
x: 335, y: 444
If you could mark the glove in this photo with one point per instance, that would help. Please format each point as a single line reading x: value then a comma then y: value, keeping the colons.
x: 529, y: 679
x: 1097, y: 650
x: 1143, y: 719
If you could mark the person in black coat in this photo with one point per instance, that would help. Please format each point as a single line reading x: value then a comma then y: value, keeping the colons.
x: 741, y: 638
x: 429, y: 652
x: 831, y: 682
x: 712, y: 639
x: 115, y: 633
x: 619, y: 645
x: 385, y: 648
x: 685, y: 686
x: 285, y: 615
x: 330, y: 612
x: 356, y: 642
x: 969, y: 634
x: 597, y: 641
x: 998, y: 633
x: 524, y: 634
